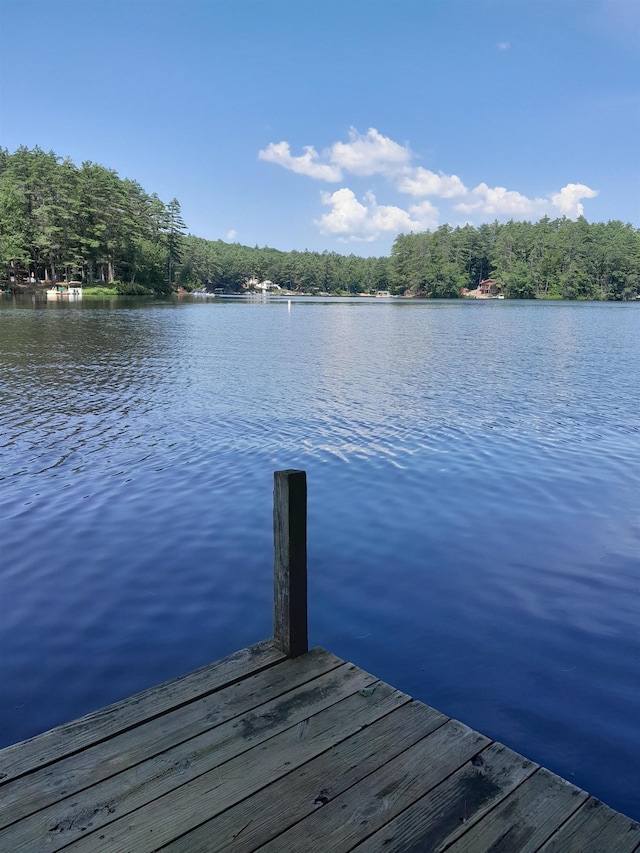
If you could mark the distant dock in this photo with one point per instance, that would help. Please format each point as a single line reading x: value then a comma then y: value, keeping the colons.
x: 276, y: 748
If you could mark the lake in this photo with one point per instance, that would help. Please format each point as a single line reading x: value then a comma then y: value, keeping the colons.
x: 474, y: 506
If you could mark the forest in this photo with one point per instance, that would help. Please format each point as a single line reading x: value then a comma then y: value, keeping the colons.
x: 61, y: 222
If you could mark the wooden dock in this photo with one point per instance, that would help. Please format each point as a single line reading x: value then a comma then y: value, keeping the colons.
x: 276, y: 748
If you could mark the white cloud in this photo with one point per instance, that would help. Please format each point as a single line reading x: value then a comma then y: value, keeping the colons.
x: 351, y: 220
x: 306, y: 164
x: 426, y: 214
x: 423, y: 182
x: 567, y: 201
x: 232, y: 234
x: 499, y: 201
x: 369, y: 154
x: 503, y: 45
x: 372, y: 153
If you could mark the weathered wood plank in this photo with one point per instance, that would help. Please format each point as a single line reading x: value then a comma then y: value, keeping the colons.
x: 174, y: 814
x: 58, y: 825
x: 117, y: 796
x: 364, y: 808
x: 73, y: 773
x: 99, y: 725
x: 274, y: 809
x: 290, y: 562
x: 595, y: 828
x: 451, y: 809
x: 525, y: 818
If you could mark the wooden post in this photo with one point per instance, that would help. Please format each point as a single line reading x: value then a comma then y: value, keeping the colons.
x: 290, y: 562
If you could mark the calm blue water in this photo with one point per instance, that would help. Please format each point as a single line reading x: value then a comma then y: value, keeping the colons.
x: 474, y: 506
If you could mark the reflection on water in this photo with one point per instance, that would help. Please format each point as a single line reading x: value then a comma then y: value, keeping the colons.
x: 473, y: 509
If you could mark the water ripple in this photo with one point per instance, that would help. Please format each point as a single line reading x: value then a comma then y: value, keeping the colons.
x: 473, y: 508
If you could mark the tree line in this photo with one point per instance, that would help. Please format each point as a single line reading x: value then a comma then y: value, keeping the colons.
x: 559, y: 258
x: 230, y: 266
x: 63, y: 222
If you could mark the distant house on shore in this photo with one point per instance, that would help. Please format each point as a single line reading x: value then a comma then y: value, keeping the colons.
x: 488, y: 287
x: 264, y: 286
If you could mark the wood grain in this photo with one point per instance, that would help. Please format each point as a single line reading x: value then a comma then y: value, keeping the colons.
x: 99, y: 725
x: 80, y: 770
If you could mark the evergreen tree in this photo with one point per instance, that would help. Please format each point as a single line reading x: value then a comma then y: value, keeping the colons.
x: 60, y: 220
x: 175, y: 229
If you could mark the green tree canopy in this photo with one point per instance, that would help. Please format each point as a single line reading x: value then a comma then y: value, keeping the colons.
x: 88, y: 223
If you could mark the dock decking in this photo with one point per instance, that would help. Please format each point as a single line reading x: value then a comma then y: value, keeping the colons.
x: 263, y: 752
x: 266, y: 750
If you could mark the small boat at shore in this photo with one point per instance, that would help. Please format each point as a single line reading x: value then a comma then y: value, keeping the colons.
x: 72, y: 291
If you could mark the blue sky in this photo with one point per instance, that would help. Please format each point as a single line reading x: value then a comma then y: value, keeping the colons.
x: 337, y: 124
